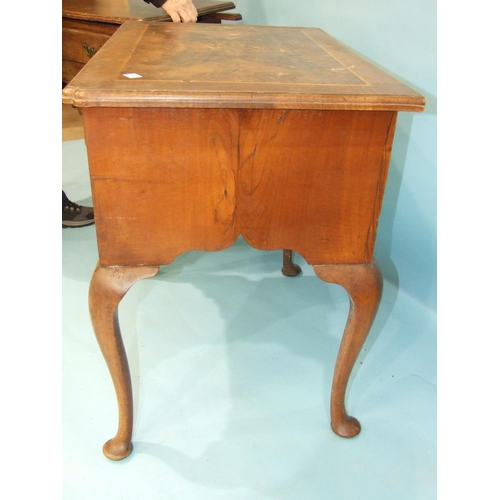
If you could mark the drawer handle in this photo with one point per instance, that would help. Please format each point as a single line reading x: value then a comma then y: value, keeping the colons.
x: 90, y: 51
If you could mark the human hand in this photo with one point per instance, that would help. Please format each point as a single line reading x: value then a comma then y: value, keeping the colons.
x: 181, y: 11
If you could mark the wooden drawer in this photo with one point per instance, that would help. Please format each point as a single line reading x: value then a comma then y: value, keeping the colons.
x: 81, y: 40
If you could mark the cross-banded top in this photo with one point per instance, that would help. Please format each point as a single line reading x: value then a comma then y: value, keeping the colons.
x: 224, y: 66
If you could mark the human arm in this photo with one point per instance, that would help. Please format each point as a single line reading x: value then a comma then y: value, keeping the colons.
x: 179, y: 10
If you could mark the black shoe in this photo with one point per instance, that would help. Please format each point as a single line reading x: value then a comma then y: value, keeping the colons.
x: 75, y: 215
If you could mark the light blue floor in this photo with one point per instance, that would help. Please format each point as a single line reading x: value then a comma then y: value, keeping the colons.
x: 232, y: 366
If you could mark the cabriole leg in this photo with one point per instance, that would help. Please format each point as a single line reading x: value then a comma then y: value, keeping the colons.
x: 289, y: 267
x: 363, y: 283
x: 107, y: 288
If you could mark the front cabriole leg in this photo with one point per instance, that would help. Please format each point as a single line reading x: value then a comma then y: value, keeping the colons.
x: 363, y: 283
x: 107, y: 288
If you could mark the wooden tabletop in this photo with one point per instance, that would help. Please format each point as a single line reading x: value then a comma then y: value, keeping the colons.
x: 209, y: 66
x: 120, y: 11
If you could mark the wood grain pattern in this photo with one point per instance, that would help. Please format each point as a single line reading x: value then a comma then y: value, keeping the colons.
x: 263, y: 174
x: 182, y: 183
x: 297, y: 164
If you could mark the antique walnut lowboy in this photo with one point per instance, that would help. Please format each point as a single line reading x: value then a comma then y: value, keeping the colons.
x: 282, y: 135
